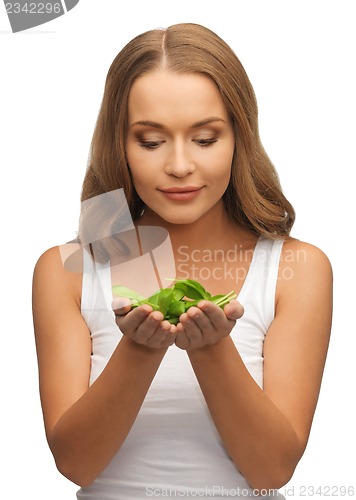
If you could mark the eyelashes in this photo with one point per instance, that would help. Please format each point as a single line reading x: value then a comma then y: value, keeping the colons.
x: 151, y: 145
x: 205, y: 143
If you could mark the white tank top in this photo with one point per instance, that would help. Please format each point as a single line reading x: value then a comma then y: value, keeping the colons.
x: 173, y: 448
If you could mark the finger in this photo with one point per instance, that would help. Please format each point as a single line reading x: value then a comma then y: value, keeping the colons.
x: 200, y: 318
x: 120, y: 305
x: 174, y: 329
x: 134, y: 318
x: 191, y: 328
x: 215, y: 314
x: 161, y: 337
x: 171, y: 331
x: 234, y: 310
x: 171, y: 338
x: 149, y: 325
x: 209, y: 333
x: 181, y: 340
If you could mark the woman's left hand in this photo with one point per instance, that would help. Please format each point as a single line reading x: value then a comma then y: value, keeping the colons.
x: 206, y: 324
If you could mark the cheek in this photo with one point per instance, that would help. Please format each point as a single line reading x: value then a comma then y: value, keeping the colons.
x: 220, y: 165
x: 140, y: 177
x: 139, y: 171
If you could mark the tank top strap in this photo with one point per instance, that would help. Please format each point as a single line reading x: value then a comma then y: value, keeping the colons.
x: 259, y: 289
x: 88, y: 282
x: 96, y: 285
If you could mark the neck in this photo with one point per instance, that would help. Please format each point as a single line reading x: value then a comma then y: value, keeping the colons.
x: 213, y: 230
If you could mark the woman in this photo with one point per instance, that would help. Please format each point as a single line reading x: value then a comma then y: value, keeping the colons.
x: 222, y: 403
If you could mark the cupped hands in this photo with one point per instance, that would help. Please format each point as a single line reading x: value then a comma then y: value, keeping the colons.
x: 203, y: 325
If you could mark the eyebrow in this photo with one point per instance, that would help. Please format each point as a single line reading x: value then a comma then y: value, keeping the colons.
x: 201, y: 123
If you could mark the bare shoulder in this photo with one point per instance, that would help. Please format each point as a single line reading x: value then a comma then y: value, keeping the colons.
x: 300, y: 252
x: 67, y: 256
x: 303, y: 268
x: 48, y: 266
x: 60, y: 269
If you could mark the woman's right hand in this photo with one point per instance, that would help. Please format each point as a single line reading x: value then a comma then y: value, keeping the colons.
x: 143, y: 325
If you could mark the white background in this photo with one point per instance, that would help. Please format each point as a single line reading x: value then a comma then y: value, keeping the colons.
x: 300, y: 56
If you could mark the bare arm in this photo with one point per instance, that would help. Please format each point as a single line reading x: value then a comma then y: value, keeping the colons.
x: 85, y: 426
x: 266, y: 431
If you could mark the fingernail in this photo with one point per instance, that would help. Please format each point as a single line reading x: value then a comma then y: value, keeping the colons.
x: 119, y: 302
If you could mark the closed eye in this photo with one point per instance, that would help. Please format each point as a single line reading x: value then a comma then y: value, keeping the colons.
x: 206, y: 142
x: 150, y: 144
x: 156, y: 144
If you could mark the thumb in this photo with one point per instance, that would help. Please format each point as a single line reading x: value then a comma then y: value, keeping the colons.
x: 120, y: 303
x: 234, y: 310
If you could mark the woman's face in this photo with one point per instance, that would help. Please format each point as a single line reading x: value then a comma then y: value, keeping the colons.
x: 179, y: 137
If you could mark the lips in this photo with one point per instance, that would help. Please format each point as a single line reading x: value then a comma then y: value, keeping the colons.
x: 185, y: 189
x: 181, y: 193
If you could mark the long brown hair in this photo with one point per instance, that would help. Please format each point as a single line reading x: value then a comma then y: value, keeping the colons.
x: 254, y: 196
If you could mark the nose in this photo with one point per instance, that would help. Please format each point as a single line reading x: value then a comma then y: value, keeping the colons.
x: 179, y: 162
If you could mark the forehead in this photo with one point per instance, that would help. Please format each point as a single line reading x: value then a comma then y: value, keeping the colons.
x: 165, y: 95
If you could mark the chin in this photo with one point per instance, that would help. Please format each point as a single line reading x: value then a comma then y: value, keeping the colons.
x: 177, y: 218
